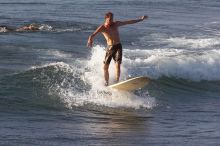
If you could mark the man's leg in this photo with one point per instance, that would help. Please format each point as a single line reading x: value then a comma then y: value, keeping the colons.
x: 106, y: 73
x: 118, y: 60
x: 118, y: 71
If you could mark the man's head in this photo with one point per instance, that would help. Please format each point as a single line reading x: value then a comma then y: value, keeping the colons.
x: 108, y: 19
x: 109, y: 15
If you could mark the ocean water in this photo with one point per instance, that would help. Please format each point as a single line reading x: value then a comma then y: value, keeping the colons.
x: 51, y: 84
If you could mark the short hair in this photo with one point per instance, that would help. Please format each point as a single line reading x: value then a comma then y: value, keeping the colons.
x: 109, y: 14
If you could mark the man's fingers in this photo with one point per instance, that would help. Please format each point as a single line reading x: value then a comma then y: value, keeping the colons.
x: 144, y: 17
x: 89, y: 45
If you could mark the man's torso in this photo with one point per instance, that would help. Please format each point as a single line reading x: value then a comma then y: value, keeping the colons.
x: 111, y: 34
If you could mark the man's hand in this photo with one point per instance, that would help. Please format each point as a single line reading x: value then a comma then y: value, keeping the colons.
x: 143, y: 17
x: 89, y: 43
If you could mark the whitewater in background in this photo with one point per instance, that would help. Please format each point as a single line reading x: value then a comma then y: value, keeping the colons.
x: 52, y: 87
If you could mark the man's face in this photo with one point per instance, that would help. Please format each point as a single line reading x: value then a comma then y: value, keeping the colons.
x: 109, y: 20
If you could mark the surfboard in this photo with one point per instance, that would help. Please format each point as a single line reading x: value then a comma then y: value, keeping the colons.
x: 131, y: 84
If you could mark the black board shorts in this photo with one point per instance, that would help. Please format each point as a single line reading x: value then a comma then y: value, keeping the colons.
x: 115, y: 52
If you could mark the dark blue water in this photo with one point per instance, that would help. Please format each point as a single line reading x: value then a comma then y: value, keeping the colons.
x: 51, y: 84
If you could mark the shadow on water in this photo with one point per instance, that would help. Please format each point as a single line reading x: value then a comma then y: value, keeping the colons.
x: 116, y: 125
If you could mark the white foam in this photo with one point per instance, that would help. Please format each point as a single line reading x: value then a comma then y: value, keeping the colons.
x: 53, y: 54
x: 60, y: 65
x: 193, y: 43
x: 155, y: 63
x: 96, y: 76
x: 108, y: 98
x: 188, y: 43
x: 91, y: 73
x: 96, y: 79
x: 191, y: 58
x: 58, y: 54
x: 45, y: 27
x: 192, y: 65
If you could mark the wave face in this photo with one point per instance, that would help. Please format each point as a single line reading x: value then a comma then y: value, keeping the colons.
x: 80, y: 82
x: 61, y: 85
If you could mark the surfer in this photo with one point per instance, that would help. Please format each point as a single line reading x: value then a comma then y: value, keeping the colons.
x: 30, y: 27
x: 114, y: 48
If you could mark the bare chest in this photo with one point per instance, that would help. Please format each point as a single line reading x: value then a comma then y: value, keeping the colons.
x: 112, y: 31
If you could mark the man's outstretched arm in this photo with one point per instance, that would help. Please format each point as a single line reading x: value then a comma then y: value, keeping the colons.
x: 90, y: 40
x: 121, y: 23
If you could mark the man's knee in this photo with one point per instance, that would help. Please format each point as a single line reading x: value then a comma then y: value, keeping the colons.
x: 105, y: 67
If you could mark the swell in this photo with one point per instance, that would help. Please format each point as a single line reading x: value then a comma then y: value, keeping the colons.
x: 60, y: 86
x: 167, y: 87
x: 37, y: 86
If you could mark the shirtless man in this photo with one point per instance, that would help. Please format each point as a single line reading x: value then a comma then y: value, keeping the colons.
x: 30, y: 27
x: 114, y: 50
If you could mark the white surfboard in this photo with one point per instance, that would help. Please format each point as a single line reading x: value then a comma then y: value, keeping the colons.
x: 131, y: 84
